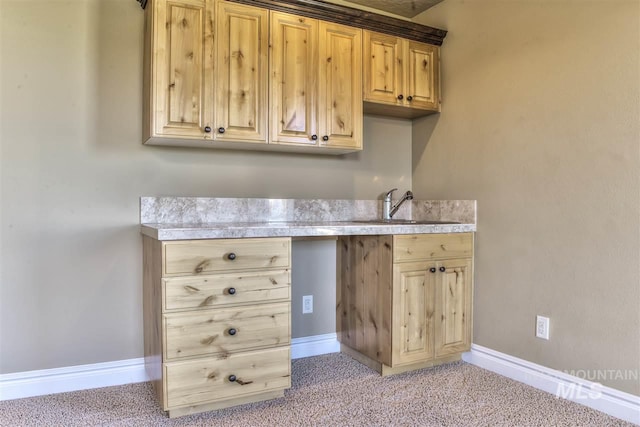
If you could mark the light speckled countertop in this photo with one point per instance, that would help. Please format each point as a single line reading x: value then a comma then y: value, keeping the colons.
x: 184, y: 218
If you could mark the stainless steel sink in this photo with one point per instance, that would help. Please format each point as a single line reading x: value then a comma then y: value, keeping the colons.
x: 403, y: 222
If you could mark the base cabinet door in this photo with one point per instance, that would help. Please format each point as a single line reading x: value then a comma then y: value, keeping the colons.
x: 453, y: 295
x: 413, y: 313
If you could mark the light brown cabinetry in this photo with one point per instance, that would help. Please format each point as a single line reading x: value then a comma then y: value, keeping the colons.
x: 401, y: 77
x: 205, y: 73
x: 209, y: 75
x: 417, y: 315
x: 217, y: 321
x: 316, y: 78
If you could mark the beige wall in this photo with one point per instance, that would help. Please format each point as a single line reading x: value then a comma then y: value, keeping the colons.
x: 72, y: 169
x: 541, y: 124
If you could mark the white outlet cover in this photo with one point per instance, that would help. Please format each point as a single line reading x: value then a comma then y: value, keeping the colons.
x: 307, y: 304
x: 542, y: 327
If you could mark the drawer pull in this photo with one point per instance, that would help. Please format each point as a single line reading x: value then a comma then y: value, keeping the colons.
x: 231, y: 291
x: 231, y: 256
x: 432, y: 269
x: 232, y: 378
x: 443, y: 269
x: 232, y: 331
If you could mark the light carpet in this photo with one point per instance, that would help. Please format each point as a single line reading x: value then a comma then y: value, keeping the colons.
x: 329, y: 390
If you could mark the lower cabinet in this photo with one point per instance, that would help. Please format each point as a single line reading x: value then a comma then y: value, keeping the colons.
x: 217, y: 316
x: 405, y: 301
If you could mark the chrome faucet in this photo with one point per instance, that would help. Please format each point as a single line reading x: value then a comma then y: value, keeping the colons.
x: 389, y: 211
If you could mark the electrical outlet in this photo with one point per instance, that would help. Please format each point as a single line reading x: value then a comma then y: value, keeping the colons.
x: 542, y: 327
x: 307, y: 304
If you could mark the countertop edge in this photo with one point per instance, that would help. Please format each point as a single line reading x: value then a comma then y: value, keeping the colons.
x: 230, y: 231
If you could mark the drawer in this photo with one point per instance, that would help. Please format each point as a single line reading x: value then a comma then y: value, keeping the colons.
x: 204, y: 256
x: 180, y: 293
x: 413, y: 247
x: 226, y: 330
x: 207, y: 380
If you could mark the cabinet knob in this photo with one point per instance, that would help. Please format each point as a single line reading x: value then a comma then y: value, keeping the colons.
x: 325, y: 138
x: 443, y: 269
x: 232, y: 331
x: 232, y: 378
x: 314, y: 137
x: 409, y: 98
x: 400, y: 97
x: 220, y: 130
x: 231, y: 291
x: 207, y: 129
x: 432, y: 269
x: 231, y: 256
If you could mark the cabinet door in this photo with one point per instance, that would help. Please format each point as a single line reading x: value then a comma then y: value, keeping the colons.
x: 422, y: 76
x: 340, y: 86
x: 241, y: 75
x: 180, y: 56
x: 294, y: 70
x: 383, y: 67
x: 453, y: 307
x: 413, y: 313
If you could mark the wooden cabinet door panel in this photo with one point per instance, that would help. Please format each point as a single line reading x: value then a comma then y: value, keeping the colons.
x: 242, y: 59
x: 182, y: 52
x: 422, y: 76
x: 340, y: 86
x: 413, y: 313
x: 454, y: 305
x: 383, y: 67
x: 294, y: 69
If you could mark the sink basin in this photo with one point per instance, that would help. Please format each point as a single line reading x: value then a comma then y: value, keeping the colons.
x: 404, y: 222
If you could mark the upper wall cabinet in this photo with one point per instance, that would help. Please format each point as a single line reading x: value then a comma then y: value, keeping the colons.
x: 235, y: 74
x: 205, y: 74
x: 177, y: 54
x: 316, y: 80
x: 401, y: 77
x: 240, y: 77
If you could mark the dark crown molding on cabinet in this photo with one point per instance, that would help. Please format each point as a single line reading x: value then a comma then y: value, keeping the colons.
x: 319, y: 9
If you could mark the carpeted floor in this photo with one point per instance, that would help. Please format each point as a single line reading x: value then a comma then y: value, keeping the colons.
x: 330, y: 390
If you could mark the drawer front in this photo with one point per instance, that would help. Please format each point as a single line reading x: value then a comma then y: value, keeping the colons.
x: 226, y: 330
x: 204, y: 256
x: 414, y: 247
x: 185, y: 293
x: 207, y: 380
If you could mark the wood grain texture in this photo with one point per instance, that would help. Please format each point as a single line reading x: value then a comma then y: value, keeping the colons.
x: 207, y: 332
x: 340, y: 86
x: 413, y: 313
x: 203, y: 292
x: 383, y: 67
x: 205, y: 256
x: 413, y: 247
x: 224, y: 403
x: 207, y: 379
x: 423, y: 76
x: 242, y: 76
x: 294, y: 74
x: 365, y: 295
x: 152, y: 312
x: 453, y: 315
x: 354, y: 17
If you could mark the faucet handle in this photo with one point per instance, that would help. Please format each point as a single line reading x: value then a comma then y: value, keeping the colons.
x: 389, y: 194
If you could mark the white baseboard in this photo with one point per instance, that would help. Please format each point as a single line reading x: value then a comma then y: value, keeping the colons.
x: 83, y: 377
x: 314, y: 346
x: 71, y: 378
x: 594, y: 395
